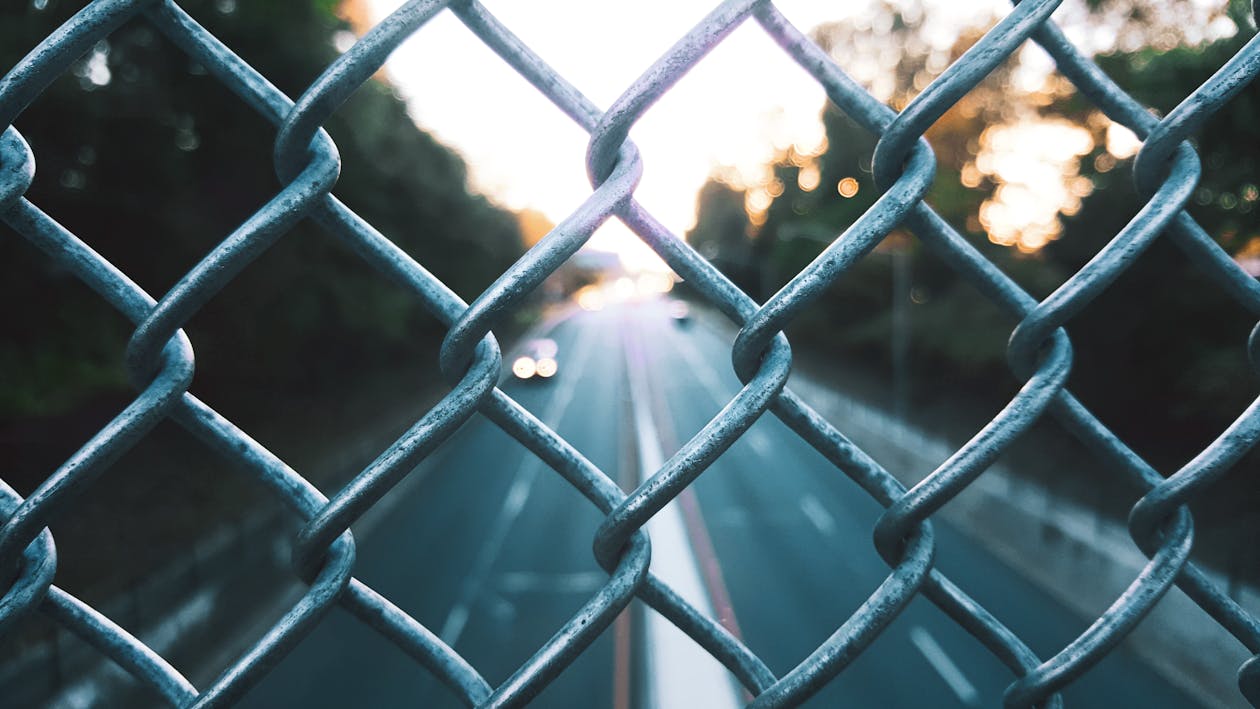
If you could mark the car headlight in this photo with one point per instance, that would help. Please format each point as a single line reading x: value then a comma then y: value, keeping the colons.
x: 545, y: 367
x: 525, y: 367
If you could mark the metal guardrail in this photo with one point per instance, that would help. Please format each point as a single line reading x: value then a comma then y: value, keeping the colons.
x: 160, y: 358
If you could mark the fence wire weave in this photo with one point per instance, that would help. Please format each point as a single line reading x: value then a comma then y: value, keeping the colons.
x: 159, y: 358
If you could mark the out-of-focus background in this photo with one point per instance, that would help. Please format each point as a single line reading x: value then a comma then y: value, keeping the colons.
x: 152, y: 162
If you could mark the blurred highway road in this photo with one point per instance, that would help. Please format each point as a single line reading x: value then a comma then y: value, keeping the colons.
x: 492, y: 551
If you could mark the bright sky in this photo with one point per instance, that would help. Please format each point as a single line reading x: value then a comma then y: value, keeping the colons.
x: 732, y: 108
x: 741, y: 101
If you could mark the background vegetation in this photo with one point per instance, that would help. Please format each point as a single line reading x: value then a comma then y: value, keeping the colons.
x: 1160, y: 356
x: 152, y: 162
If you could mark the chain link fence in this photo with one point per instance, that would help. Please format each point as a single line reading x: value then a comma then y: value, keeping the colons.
x: 159, y: 359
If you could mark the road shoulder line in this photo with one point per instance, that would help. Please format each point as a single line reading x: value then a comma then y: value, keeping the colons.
x: 945, y: 667
x: 513, y: 503
x: 680, y: 672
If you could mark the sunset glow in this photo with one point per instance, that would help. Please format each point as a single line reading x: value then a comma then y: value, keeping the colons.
x: 743, y: 105
x: 1035, y: 165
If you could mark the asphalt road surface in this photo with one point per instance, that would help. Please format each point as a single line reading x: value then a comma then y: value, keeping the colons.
x: 492, y: 550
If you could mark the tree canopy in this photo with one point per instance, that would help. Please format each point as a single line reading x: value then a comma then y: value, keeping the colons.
x: 152, y: 162
x: 1160, y: 357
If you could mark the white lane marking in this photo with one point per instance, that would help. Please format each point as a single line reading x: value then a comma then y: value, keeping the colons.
x: 501, y: 608
x: 455, y: 622
x: 706, y: 372
x: 513, y: 502
x: 91, y: 689
x: 405, y: 490
x: 817, y: 515
x: 517, y: 495
x: 732, y: 517
x: 681, y: 673
x: 756, y: 436
x: 532, y: 582
x: 945, y: 667
x: 760, y: 443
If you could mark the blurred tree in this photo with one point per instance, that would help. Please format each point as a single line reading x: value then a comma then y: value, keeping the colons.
x: 804, y: 200
x: 1162, y: 351
x: 152, y: 162
x: 722, y: 234
x: 1164, y: 355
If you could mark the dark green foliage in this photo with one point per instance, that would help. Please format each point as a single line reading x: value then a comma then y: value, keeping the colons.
x: 156, y: 165
x: 1160, y: 355
x: 722, y: 234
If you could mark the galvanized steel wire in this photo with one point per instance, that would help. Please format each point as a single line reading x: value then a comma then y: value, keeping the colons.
x: 159, y: 358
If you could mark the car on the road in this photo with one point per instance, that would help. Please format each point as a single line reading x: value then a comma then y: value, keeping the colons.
x: 536, y: 360
x: 679, y: 312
